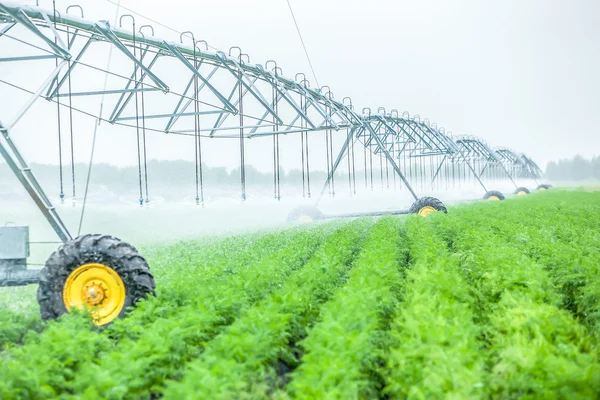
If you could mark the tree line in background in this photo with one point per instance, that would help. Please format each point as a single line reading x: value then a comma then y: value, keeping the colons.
x: 574, y: 169
x: 165, y: 173
x: 182, y: 174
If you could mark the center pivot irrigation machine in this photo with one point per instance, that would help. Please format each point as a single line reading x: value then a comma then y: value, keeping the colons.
x: 184, y: 88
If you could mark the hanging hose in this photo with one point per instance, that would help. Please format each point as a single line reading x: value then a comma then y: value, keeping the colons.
x: 278, y: 170
x: 137, y: 119
x: 365, y: 159
x: 242, y: 155
x: 307, y: 168
x: 197, y: 155
x: 144, y: 144
x: 144, y: 130
x: 199, y: 141
x: 276, y: 162
x: 404, y: 169
x: 381, y: 170
x: 371, y: 167
x: 394, y: 149
x: 60, y: 162
x: 422, y: 171
x: 302, y: 125
x: 302, y: 157
x: 71, y: 123
x: 327, y: 155
x: 353, y: 169
x: 387, y: 174
x: 332, y: 162
x: 275, y: 167
x: 349, y: 166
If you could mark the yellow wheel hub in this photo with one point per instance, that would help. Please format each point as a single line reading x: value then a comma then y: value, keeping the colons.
x: 493, y: 198
x: 98, y: 288
x: 542, y: 188
x: 521, y: 193
x: 305, y: 219
x: 425, y: 211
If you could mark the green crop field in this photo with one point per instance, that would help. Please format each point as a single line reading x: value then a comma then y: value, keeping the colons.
x: 492, y: 300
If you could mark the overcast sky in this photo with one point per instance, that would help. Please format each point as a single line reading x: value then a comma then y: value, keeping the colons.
x: 522, y: 74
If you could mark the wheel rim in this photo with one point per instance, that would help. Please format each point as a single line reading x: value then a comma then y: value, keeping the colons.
x: 98, y: 288
x: 494, y: 198
x: 305, y: 219
x: 542, y: 188
x: 521, y: 193
x: 425, y: 211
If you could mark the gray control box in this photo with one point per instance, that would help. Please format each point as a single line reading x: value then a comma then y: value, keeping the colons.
x: 14, y: 242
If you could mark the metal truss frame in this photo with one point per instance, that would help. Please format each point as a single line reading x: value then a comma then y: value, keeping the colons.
x: 278, y: 105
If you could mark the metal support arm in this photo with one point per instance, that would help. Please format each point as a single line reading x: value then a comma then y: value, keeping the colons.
x: 17, y: 164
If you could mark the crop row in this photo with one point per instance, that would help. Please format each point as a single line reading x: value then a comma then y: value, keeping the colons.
x: 216, y: 256
x: 129, y: 360
x: 14, y: 326
x: 493, y: 300
x: 343, y: 352
x: 564, y: 240
x: 436, y: 349
x: 249, y: 357
x: 533, y: 346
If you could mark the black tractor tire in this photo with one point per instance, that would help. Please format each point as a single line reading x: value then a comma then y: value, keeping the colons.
x: 495, y: 193
x: 122, y: 257
x: 425, y: 202
x: 298, y: 213
x: 521, y: 189
x: 544, y: 186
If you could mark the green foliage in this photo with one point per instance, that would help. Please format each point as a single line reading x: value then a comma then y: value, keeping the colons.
x: 215, y: 263
x: 567, y: 248
x: 436, y: 348
x: 137, y: 367
x: 246, y: 359
x: 535, y: 349
x: 14, y: 326
x: 493, y: 300
x: 343, y: 352
x: 44, y: 366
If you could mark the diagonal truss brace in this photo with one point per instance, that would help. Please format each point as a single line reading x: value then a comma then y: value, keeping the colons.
x: 381, y: 145
x: 17, y: 164
x: 104, y: 30
x: 189, y: 65
x: 22, y: 18
x: 242, y: 77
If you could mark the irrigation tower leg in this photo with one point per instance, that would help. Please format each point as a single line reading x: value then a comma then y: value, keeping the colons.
x: 508, y: 174
x: 392, y: 161
x: 438, y: 169
x: 475, y: 175
x: 385, y: 151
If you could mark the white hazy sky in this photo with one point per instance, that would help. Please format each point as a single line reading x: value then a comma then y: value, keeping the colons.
x: 522, y: 74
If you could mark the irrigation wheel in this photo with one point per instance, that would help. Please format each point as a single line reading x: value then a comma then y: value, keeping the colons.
x: 544, y: 187
x: 426, y: 205
x: 97, y: 272
x: 304, y: 214
x: 521, y: 191
x: 493, y: 195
